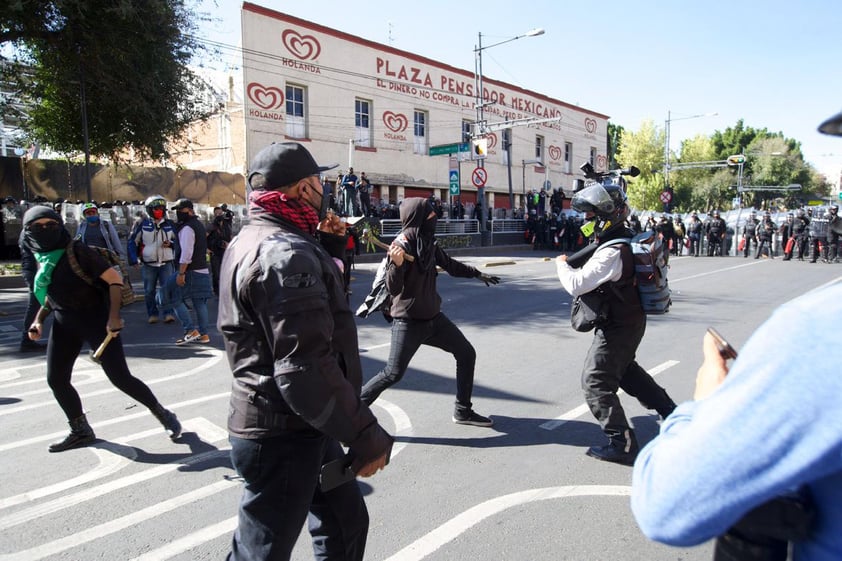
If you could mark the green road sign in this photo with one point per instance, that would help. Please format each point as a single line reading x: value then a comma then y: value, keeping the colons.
x: 454, y: 182
x: 454, y: 148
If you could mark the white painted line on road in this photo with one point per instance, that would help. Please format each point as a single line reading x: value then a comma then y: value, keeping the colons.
x: 403, y: 427
x: 457, y: 525
x: 582, y: 409
x: 96, y: 532
x: 190, y: 541
x: 114, y: 421
x: 217, y: 356
x: 371, y: 348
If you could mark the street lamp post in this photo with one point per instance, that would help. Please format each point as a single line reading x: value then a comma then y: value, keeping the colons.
x: 479, y: 104
x: 526, y: 163
x: 669, y: 120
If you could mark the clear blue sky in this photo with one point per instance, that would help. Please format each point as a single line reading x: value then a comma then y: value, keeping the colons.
x: 775, y: 64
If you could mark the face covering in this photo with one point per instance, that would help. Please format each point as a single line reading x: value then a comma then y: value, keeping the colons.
x: 93, y: 219
x: 43, y: 240
x: 157, y: 214
x: 183, y: 217
x: 428, y: 228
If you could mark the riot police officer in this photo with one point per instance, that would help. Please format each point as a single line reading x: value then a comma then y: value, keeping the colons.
x: 716, y: 235
x: 750, y: 232
x: 765, y: 231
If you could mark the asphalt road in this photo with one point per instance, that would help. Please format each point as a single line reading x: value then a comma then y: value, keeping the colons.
x: 521, y: 490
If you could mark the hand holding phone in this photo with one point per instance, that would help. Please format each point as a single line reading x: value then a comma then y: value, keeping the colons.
x: 726, y: 351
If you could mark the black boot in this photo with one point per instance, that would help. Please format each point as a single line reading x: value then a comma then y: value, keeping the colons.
x: 168, y: 419
x: 81, y: 434
x: 619, y: 450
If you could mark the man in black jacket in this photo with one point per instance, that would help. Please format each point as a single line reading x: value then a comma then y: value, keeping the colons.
x: 416, y: 309
x: 291, y: 342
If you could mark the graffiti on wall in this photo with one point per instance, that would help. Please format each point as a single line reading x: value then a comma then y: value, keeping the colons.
x: 57, y: 179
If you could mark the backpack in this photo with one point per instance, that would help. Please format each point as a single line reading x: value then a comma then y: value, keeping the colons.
x: 126, y: 292
x: 651, y: 263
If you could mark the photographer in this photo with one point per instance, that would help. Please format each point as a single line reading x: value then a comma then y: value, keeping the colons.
x: 769, y: 427
x: 219, y: 235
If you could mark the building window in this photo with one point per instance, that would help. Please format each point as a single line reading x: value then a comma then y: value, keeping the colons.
x: 539, y: 147
x: 506, y: 145
x: 568, y: 157
x: 592, y: 159
x: 420, y: 133
x: 362, y: 122
x: 296, y: 119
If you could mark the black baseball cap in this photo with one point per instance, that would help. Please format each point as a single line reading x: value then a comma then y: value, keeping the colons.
x: 182, y: 203
x: 284, y: 163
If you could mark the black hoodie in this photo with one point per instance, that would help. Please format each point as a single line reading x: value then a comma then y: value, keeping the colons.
x: 413, y: 284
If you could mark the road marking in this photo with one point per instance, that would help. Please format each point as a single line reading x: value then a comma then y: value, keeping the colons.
x: 101, y: 530
x: 217, y: 356
x: 450, y: 530
x: 403, y: 427
x: 190, y: 541
x: 109, y: 422
x: 582, y: 409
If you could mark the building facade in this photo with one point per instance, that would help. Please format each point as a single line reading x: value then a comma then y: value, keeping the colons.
x: 379, y: 109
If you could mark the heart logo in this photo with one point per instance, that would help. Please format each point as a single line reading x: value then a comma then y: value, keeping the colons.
x: 492, y: 140
x: 554, y: 151
x: 590, y: 125
x: 265, y: 97
x: 305, y: 47
x: 601, y: 162
x: 395, y: 122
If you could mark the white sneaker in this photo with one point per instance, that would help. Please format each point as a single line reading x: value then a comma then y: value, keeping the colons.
x: 189, y: 337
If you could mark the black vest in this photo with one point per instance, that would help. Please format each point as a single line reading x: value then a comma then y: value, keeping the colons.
x: 200, y: 245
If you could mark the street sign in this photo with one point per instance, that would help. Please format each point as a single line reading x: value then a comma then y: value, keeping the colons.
x: 479, y: 177
x: 666, y: 197
x: 548, y: 185
x: 454, y: 182
x: 443, y: 149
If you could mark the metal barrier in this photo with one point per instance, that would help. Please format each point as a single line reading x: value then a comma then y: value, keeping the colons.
x: 391, y: 227
x: 508, y: 226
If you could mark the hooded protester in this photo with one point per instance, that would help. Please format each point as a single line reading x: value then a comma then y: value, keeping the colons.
x: 85, y: 312
x: 416, y: 309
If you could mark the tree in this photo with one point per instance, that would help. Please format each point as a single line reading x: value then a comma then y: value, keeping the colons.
x: 643, y: 149
x: 615, y: 132
x: 126, y: 59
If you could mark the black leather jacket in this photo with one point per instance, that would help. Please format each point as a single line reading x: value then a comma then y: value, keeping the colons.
x: 291, y: 340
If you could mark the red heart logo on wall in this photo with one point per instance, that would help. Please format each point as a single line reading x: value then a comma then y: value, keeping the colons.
x: 265, y: 97
x: 555, y: 152
x: 305, y: 47
x: 601, y: 162
x: 492, y: 140
x: 590, y: 125
x: 395, y: 122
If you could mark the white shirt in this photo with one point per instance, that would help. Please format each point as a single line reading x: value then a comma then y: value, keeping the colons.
x: 605, y: 265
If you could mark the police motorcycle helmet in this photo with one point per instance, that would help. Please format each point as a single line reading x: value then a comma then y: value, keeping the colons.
x: 608, y: 205
x: 155, y: 201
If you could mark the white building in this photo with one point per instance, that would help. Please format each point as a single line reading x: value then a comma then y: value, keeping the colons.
x: 379, y: 109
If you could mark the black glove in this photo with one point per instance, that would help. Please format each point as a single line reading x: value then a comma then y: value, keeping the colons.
x: 488, y: 279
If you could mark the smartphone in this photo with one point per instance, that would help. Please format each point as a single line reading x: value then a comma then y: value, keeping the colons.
x: 726, y: 351
x: 335, y: 473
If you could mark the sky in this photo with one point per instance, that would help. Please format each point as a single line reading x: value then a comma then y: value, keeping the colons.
x: 774, y: 64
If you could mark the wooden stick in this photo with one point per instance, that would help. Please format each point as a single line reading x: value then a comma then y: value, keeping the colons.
x: 369, y: 237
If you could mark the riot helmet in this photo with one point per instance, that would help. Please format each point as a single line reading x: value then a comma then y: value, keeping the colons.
x: 607, y: 204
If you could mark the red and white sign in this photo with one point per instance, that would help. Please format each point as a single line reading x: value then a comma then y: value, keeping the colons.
x: 479, y: 177
x: 666, y: 197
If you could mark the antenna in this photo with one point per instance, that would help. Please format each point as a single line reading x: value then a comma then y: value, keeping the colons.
x: 391, y: 39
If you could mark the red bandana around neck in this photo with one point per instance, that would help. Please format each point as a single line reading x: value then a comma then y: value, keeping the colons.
x: 301, y: 214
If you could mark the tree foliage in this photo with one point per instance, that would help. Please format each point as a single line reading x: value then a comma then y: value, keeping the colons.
x: 128, y: 58
x: 771, y: 160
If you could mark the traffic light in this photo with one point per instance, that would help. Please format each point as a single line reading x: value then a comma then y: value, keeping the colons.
x: 479, y: 147
x: 736, y: 160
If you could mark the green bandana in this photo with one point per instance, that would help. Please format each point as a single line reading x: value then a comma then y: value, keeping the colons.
x: 44, y: 276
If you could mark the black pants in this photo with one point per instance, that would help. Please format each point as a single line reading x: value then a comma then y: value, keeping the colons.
x: 610, y: 366
x: 832, y: 246
x: 407, y: 338
x: 32, y: 306
x: 70, y: 331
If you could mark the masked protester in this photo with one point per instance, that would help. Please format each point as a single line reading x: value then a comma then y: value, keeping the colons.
x: 95, y: 232
x: 416, y: 309
x: 610, y: 363
x: 84, y: 313
x: 291, y: 341
x: 151, y: 247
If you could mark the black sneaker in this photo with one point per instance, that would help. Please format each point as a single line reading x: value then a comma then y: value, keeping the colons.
x: 470, y: 417
x: 614, y: 454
